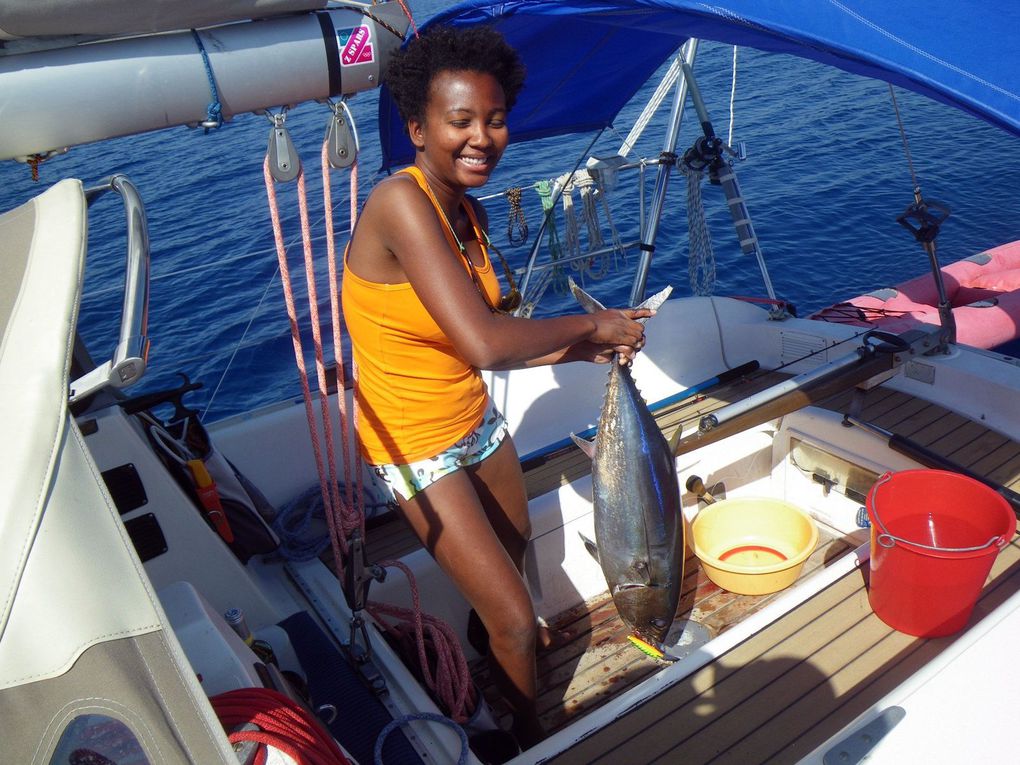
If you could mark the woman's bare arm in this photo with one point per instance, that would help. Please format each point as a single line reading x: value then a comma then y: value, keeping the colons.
x: 485, y: 339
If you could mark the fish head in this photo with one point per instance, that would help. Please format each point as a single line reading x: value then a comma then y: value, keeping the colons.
x: 647, y: 609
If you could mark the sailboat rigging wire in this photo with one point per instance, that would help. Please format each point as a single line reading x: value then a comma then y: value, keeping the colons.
x: 903, y: 137
x: 204, y: 266
x: 929, y: 215
x: 665, y: 85
x: 733, y: 98
x: 187, y: 361
x: 823, y: 349
x: 238, y: 345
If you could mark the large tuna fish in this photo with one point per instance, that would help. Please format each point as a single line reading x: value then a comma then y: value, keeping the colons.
x: 639, y: 532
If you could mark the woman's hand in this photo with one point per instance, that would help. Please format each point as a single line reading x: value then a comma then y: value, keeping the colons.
x: 618, y: 326
x: 616, y: 334
x: 602, y: 354
x: 587, y: 351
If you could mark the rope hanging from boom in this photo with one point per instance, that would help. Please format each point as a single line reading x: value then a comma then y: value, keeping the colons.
x: 344, y: 511
x: 214, y: 111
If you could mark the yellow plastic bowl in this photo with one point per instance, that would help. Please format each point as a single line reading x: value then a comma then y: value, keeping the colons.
x: 752, y: 545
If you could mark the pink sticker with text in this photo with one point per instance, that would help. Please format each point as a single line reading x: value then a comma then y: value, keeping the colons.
x: 355, y: 45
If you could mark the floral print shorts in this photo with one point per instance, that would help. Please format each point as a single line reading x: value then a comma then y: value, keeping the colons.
x: 409, y: 479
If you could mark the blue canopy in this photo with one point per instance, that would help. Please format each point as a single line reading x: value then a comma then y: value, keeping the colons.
x: 587, y: 58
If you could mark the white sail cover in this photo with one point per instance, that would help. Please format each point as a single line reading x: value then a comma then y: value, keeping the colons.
x: 56, y: 18
x: 50, y: 528
x: 81, y: 630
x: 55, y: 95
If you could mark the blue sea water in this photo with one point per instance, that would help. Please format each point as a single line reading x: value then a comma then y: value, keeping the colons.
x: 825, y: 177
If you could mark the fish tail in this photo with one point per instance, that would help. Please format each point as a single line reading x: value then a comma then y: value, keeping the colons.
x: 656, y: 300
x: 591, y: 305
x: 588, y: 303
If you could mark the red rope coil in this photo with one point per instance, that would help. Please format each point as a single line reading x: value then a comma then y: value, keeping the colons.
x: 282, y: 723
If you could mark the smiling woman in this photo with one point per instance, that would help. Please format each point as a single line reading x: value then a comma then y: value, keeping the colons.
x: 421, y: 304
x: 466, y: 117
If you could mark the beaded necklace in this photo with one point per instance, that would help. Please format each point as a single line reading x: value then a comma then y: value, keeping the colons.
x: 509, y: 301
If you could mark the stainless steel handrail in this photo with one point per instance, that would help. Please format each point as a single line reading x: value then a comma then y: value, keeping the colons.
x: 129, y: 359
x: 650, y: 229
x: 533, y: 266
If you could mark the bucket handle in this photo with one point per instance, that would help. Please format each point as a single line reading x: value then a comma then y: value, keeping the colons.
x: 889, y: 541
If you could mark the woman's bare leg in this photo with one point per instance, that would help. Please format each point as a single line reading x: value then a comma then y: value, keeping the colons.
x: 500, y: 485
x: 456, y: 525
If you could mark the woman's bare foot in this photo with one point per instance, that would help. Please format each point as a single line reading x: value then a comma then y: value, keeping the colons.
x: 551, y: 638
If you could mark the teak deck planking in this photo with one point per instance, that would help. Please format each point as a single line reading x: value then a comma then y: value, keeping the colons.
x: 600, y: 662
x: 784, y: 691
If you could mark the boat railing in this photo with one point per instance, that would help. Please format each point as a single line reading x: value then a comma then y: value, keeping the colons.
x: 535, y: 276
x: 129, y: 358
x: 880, y: 355
x: 710, y: 156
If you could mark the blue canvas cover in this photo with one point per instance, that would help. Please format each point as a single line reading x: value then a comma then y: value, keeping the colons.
x: 587, y: 58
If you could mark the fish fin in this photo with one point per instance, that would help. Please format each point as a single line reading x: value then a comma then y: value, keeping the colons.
x: 674, y: 440
x: 586, y: 446
x: 591, y: 547
x: 588, y: 303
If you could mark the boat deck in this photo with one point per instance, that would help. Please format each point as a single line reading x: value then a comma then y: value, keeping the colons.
x: 829, y: 659
x: 783, y: 692
x: 599, y: 662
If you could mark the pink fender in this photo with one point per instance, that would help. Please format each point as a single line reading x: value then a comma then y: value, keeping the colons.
x: 983, y: 289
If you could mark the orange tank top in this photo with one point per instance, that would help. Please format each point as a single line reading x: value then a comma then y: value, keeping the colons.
x: 416, y: 395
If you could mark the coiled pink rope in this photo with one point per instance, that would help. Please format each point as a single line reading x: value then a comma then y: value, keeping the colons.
x: 452, y: 681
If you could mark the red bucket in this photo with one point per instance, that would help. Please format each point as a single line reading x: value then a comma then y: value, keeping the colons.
x: 934, y: 537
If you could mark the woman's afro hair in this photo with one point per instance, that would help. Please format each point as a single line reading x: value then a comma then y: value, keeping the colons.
x: 411, y: 70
